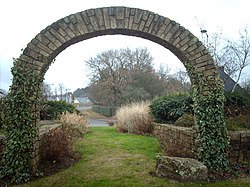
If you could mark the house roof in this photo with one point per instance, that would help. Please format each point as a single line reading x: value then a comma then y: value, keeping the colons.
x: 228, y: 81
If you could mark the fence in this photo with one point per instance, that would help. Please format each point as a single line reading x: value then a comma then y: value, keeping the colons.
x: 106, y: 111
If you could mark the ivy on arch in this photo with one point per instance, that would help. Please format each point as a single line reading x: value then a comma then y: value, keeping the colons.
x: 213, y: 137
x: 20, y: 115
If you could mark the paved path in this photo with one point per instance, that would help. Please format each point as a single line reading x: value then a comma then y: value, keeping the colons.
x: 98, y: 122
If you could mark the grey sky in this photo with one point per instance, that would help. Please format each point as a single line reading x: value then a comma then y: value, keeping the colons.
x: 22, y: 20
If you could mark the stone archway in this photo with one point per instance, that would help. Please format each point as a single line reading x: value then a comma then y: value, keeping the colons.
x: 74, y: 28
x: 40, y: 52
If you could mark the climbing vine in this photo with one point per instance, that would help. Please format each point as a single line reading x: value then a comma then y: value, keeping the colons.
x: 19, y: 122
x: 1, y: 112
x: 213, y: 138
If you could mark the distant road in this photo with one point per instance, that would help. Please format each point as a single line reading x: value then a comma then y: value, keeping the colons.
x: 96, y: 122
x: 83, y: 108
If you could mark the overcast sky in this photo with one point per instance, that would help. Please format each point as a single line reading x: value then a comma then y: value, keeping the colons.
x: 22, y: 20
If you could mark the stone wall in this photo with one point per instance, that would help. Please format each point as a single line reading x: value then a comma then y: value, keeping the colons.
x: 240, y: 146
x: 180, y: 141
x: 40, y: 141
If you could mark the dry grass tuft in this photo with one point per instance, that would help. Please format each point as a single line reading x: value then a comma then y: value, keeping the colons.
x: 58, y: 145
x: 134, y: 118
x: 74, y: 122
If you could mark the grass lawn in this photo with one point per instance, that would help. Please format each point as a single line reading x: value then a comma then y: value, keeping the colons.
x: 113, y: 159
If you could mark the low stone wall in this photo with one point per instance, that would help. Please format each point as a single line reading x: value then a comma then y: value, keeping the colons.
x: 181, y: 141
x: 240, y: 146
x: 40, y: 141
x: 176, y: 141
x: 44, y: 128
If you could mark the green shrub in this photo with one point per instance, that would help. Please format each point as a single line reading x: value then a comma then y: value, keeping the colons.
x: 236, y: 99
x: 134, y: 118
x: 106, y: 111
x: 236, y: 104
x: 52, y: 109
x: 1, y: 113
x: 168, y: 109
x: 186, y: 120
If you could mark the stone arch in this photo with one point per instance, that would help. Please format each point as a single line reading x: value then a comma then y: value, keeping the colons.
x: 74, y: 28
x: 40, y: 52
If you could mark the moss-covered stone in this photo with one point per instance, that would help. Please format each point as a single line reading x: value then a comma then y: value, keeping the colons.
x: 181, y: 169
x: 186, y: 120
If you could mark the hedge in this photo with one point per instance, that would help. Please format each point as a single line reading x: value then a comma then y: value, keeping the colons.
x: 106, y: 111
x: 168, y: 109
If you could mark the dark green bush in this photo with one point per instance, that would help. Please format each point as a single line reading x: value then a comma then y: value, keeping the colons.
x: 52, y: 109
x: 237, y: 103
x: 236, y: 99
x: 1, y: 113
x: 168, y: 109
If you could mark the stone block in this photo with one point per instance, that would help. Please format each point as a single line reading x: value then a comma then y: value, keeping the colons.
x: 241, y: 156
x: 138, y: 15
x: 234, y: 136
x: 181, y: 169
x: 106, y: 18
x: 44, y: 47
x: 74, y: 30
x: 235, y: 146
x: 149, y: 20
x: 94, y: 22
x: 245, y: 137
x: 52, y: 46
x: 70, y: 33
x: 248, y: 154
x: 234, y: 153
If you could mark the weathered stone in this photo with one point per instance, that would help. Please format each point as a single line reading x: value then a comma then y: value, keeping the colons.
x: 181, y: 169
x: 74, y: 30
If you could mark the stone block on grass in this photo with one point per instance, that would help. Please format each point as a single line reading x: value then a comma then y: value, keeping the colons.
x: 181, y: 169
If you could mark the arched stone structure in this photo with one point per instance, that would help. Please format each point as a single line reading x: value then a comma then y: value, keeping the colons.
x: 40, y: 52
x: 74, y: 28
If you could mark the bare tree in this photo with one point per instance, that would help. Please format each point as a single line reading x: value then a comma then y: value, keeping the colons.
x: 246, y: 85
x: 233, y: 56
x: 183, y: 78
x: 240, y: 53
x: 115, y: 73
x: 47, y: 92
x: 61, y: 90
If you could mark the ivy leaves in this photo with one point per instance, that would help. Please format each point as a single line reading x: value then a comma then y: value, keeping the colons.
x: 213, y: 138
x: 19, y: 122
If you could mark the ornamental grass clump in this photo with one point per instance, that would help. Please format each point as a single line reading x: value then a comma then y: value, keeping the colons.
x: 58, y: 145
x: 77, y: 124
x: 134, y: 118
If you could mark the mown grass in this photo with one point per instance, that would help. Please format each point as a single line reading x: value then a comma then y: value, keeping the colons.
x: 114, y: 159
